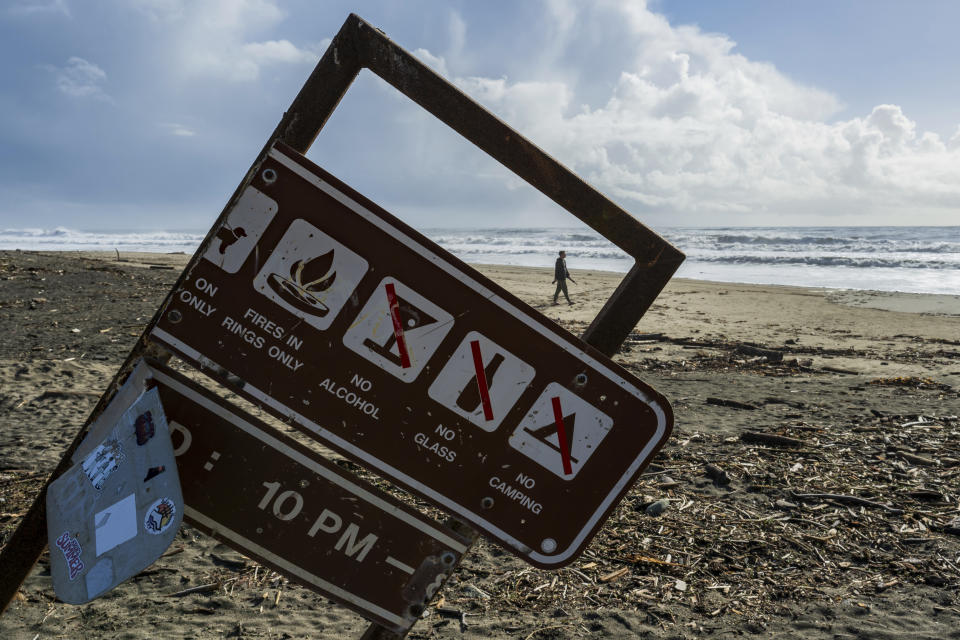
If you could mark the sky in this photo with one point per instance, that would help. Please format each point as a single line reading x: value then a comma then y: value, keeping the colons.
x: 146, y: 114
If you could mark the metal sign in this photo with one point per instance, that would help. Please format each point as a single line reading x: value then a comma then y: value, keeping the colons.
x: 118, y: 509
x: 273, y: 499
x: 320, y: 306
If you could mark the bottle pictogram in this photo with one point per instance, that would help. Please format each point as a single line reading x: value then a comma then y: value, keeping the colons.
x: 469, y: 399
x: 482, y: 381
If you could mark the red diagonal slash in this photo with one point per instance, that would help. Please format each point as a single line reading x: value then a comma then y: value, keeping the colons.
x: 397, y: 325
x: 481, y: 380
x: 562, y: 437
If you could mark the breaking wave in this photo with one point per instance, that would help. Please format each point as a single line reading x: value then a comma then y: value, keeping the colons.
x: 918, y: 259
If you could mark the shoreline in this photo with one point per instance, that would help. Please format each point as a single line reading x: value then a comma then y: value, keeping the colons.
x: 896, y: 301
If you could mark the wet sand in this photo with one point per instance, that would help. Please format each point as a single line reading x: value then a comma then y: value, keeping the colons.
x: 844, y: 527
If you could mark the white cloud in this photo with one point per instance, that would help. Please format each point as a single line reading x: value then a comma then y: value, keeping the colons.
x: 81, y: 79
x: 176, y: 129
x: 216, y: 38
x: 437, y: 63
x: 692, y: 127
x: 35, y: 7
x: 282, y: 51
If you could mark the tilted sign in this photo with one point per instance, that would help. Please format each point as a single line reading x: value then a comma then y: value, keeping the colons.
x: 314, y: 303
x: 320, y: 306
x: 273, y: 499
x: 119, y: 507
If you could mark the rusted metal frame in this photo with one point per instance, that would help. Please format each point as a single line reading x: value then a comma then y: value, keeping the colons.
x: 656, y: 260
x: 360, y: 45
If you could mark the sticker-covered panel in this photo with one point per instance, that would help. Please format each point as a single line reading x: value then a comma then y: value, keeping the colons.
x: 117, y: 509
x: 417, y: 366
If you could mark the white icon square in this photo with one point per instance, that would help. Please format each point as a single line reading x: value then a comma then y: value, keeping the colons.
x: 245, y: 223
x: 310, y: 274
x: 404, y: 351
x: 537, y: 436
x: 505, y: 378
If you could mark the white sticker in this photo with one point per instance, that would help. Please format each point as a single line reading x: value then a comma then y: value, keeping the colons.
x: 159, y: 516
x: 403, y: 350
x: 244, y: 225
x: 484, y: 402
x: 116, y: 524
x: 537, y: 436
x: 310, y: 274
x: 102, y: 462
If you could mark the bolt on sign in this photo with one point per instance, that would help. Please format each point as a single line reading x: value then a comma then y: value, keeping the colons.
x: 275, y: 500
x: 319, y: 305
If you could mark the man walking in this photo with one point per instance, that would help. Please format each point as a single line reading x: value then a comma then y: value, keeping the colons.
x: 560, y: 276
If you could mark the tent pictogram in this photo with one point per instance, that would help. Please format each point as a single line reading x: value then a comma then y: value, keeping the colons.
x: 538, y: 434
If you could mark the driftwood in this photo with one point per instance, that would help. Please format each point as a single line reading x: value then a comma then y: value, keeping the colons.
x: 203, y: 587
x: 769, y: 354
x: 720, y: 402
x: 848, y: 372
x: 854, y: 500
x: 753, y: 437
x: 918, y: 460
x: 718, y: 475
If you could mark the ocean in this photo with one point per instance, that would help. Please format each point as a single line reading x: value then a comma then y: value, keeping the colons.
x: 909, y: 259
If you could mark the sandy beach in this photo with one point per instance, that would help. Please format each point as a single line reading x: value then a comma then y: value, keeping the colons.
x: 812, y: 475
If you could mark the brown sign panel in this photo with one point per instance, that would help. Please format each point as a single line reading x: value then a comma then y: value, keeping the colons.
x: 323, y: 308
x: 273, y: 499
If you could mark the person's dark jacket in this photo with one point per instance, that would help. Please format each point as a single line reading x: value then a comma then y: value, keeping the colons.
x: 560, y: 270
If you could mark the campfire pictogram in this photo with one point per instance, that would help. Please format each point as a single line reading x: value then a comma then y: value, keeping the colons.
x: 308, y: 279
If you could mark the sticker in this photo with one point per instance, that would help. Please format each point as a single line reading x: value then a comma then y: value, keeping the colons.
x: 116, y: 524
x: 70, y: 547
x: 144, y: 428
x: 159, y: 516
x: 102, y: 462
x: 153, y: 472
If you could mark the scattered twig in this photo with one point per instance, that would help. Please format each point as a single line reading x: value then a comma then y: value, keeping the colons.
x: 861, y: 502
x: 754, y: 437
x: 212, y: 586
